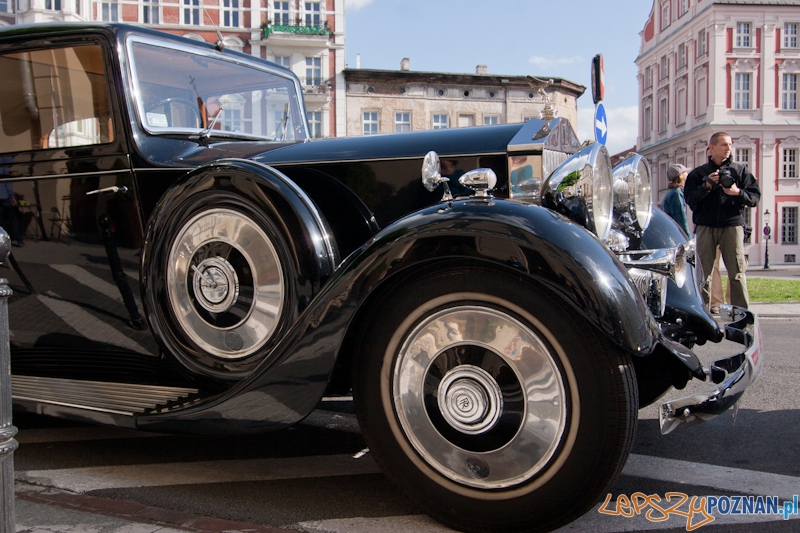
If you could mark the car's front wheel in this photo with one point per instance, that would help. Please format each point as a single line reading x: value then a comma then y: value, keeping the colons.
x: 490, y: 405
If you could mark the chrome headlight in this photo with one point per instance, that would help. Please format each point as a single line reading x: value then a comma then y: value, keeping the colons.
x: 581, y: 189
x: 633, y: 187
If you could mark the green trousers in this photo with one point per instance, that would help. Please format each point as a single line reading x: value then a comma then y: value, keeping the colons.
x: 731, y: 245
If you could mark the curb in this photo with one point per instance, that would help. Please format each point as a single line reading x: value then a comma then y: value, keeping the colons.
x: 136, y: 512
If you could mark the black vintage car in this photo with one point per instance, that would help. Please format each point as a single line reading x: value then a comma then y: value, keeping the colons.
x: 193, y: 263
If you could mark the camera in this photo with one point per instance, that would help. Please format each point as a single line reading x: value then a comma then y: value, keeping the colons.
x: 725, y: 178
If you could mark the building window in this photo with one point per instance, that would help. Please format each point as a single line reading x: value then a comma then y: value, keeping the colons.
x: 491, y: 120
x: 684, y: 7
x: 741, y: 90
x: 701, y: 96
x: 701, y: 43
x: 680, y: 105
x: 315, y: 123
x: 313, y: 14
x: 789, y: 225
x: 191, y: 12
x: 4, y: 6
x: 109, y: 11
x: 313, y: 71
x: 230, y: 13
x: 648, y: 77
x: 284, y: 61
x: 789, y: 92
x: 742, y: 156
x: 664, y: 70
x: 54, y: 5
x: 402, y: 121
x: 789, y: 163
x: 370, y: 122
x: 790, y: 35
x: 743, y: 39
x: 441, y: 122
x: 681, y: 55
x: 647, y: 121
x: 280, y: 13
x: 663, y: 115
x: 665, y: 15
x: 150, y: 11
x: 662, y: 175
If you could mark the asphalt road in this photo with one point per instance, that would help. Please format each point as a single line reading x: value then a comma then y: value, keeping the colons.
x: 307, y: 479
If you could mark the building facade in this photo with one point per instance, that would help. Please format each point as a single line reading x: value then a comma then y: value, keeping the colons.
x: 727, y: 65
x: 306, y: 36
x: 386, y: 101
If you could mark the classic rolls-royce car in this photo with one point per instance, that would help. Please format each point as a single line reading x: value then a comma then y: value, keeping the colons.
x: 192, y: 262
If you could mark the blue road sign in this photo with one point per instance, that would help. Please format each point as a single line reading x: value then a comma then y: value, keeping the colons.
x: 600, y: 124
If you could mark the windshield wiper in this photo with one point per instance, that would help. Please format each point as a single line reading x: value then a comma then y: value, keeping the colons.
x: 223, y: 101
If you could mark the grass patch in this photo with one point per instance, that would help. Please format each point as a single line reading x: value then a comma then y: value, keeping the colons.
x: 771, y: 290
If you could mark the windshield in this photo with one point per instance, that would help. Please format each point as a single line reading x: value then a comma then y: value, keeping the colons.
x: 183, y: 90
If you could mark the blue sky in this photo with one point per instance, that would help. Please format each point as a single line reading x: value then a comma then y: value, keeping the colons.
x: 514, y: 37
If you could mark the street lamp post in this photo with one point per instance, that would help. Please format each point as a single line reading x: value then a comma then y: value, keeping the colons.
x: 767, y: 232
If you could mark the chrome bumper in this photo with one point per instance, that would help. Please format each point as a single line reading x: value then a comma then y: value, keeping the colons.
x: 731, y: 376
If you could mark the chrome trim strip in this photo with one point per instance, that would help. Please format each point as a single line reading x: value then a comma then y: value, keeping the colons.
x: 67, y: 175
x: 733, y: 375
x: 375, y: 160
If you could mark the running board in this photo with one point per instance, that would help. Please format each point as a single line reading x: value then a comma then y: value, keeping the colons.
x: 125, y: 399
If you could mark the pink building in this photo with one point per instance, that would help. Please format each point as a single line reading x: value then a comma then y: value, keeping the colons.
x: 306, y: 36
x: 733, y: 66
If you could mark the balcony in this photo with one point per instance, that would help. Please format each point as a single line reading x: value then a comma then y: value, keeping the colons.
x: 298, y: 29
x: 314, y: 85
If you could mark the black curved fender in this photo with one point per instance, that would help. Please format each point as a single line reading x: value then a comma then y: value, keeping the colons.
x: 684, y: 304
x: 305, y: 230
x: 534, y: 242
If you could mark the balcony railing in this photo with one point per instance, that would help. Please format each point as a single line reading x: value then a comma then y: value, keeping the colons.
x: 298, y: 29
x: 315, y: 85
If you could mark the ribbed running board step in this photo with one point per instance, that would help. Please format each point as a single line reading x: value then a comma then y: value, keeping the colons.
x: 118, y: 398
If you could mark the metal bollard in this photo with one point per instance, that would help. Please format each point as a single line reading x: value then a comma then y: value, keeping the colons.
x: 7, y: 431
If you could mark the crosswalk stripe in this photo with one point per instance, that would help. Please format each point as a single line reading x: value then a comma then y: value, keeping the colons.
x: 85, y: 277
x: 719, y: 477
x: 86, y: 324
x: 91, y: 478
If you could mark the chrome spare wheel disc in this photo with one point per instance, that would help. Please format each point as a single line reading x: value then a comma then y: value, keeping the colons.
x: 225, y: 283
x: 480, y: 396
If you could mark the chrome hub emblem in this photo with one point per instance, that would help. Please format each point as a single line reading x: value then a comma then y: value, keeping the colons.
x: 470, y: 399
x: 216, y: 285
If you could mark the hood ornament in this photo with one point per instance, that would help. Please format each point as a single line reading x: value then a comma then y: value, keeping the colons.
x: 549, y: 112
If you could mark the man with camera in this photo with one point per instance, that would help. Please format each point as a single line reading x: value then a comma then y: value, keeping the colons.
x: 717, y: 192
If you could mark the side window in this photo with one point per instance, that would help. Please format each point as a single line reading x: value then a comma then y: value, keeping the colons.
x: 54, y: 98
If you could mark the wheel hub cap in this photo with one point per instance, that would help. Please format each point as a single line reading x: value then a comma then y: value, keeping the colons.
x: 216, y: 286
x: 470, y: 399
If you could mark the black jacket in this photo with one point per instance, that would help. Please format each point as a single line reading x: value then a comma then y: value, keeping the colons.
x: 712, y: 207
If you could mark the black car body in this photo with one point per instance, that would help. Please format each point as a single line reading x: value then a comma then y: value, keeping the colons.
x: 193, y: 263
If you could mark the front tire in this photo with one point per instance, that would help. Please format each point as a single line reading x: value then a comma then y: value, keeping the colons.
x: 489, y: 404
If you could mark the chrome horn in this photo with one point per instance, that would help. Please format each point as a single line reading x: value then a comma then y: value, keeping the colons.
x: 667, y: 261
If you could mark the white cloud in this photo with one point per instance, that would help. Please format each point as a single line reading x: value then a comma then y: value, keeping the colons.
x: 356, y: 4
x: 623, y: 126
x: 541, y: 61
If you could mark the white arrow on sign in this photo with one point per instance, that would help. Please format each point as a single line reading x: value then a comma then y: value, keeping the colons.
x: 601, y: 125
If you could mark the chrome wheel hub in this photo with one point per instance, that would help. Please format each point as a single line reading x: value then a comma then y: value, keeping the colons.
x: 216, y: 284
x: 470, y: 399
x: 479, y: 395
x: 225, y: 283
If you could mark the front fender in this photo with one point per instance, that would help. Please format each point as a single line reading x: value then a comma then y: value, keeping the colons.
x: 541, y: 246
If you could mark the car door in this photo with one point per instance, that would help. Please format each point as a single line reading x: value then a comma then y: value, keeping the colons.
x: 78, y: 232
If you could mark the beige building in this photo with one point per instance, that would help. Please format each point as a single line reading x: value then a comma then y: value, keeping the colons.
x: 306, y: 36
x: 733, y: 66
x: 385, y: 101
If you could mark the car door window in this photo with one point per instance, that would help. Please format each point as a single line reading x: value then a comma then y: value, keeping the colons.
x: 54, y: 98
